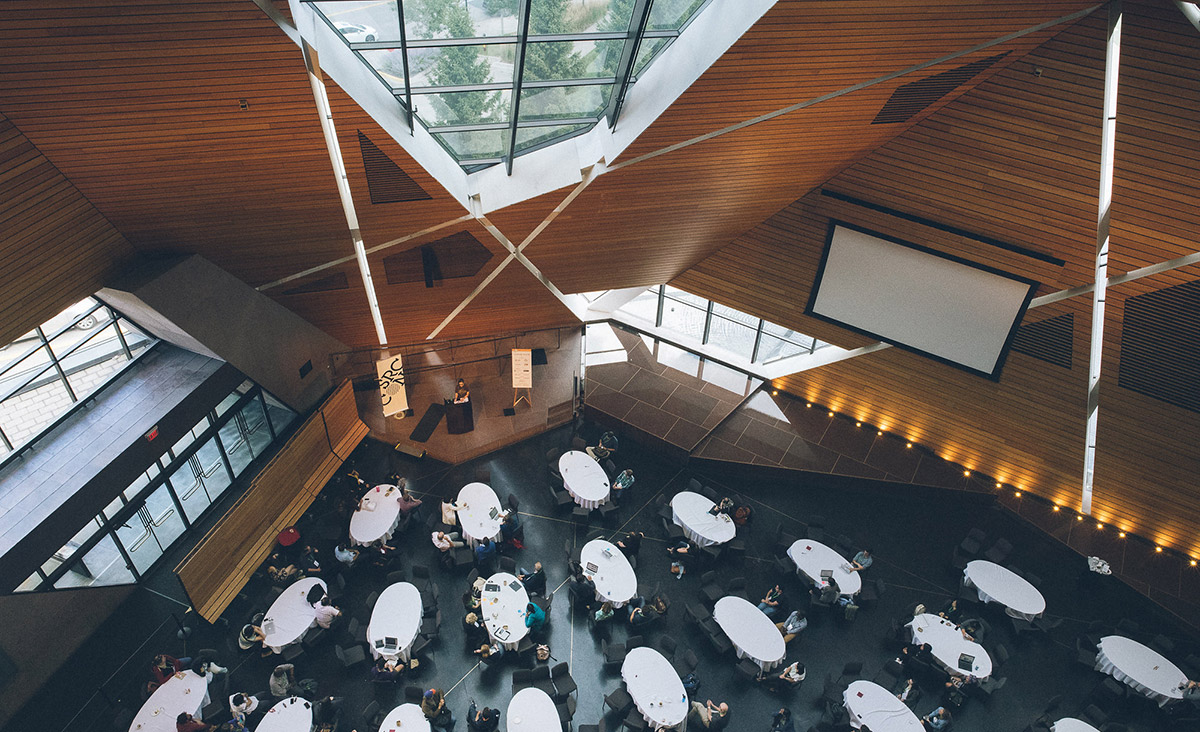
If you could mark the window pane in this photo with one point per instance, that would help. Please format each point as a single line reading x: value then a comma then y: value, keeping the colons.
x: 463, y: 108
x: 647, y: 51
x: 475, y: 145
x: 644, y: 306
x: 564, y: 102
x: 134, y: 338
x: 532, y: 136
x: 573, y: 16
x: 255, y: 424
x: 93, y: 364
x: 24, y: 415
x: 684, y: 319
x: 14, y: 351
x: 30, y: 584
x: 427, y: 19
x: 687, y: 297
x: 773, y: 349
x: 281, y: 416
x: 363, y: 22
x: 556, y: 60
x: 672, y: 14
x: 785, y: 333
x: 189, y: 437
x: 732, y: 336
x: 75, y: 318
x: 102, y: 565
x: 736, y: 316
x: 388, y: 63
x: 460, y: 65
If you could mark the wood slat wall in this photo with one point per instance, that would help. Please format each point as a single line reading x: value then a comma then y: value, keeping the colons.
x: 1017, y: 159
x: 221, y: 563
x: 55, y: 247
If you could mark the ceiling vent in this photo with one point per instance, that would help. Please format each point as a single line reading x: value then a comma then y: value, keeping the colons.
x: 1050, y: 340
x: 1160, y: 345
x: 911, y: 99
x: 385, y: 180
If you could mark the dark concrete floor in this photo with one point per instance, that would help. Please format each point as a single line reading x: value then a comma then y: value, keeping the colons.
x: 912, y: 530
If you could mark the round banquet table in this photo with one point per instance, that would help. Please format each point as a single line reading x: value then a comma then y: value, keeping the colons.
x: 532, y: 710
x: 290, y: 615
x: 397, y: 614
x: 1142, y: 668
x: 475, y: 517
x: 1070, y: 724
x: 948, y: 644
x: 186, y: 691
x: 1005, y: 587
x: 752, y: 633
x: 691, y: 512
x: 812, y: 557
x: 655, y: 687
x: 405, y: 718
x: 289, y: 715
x: 503, y: 609
x: 870, y: 704
x: 584, y: 478
x: 377, y: 515
x: 614, y: 577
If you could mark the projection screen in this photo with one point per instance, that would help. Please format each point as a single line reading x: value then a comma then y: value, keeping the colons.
x: 919, y: 299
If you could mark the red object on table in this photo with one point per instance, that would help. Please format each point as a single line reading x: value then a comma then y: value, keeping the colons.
x: 288, y: 536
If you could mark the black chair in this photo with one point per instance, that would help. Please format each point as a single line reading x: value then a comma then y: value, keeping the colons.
x: 1000, y: 654
x: 564, y: 684
x: 619, y: 701
x: 413, y: 694
x: 784, y: 540
x: 1046, y: 625
x: 351, y: 656
x: 999, y: 551
x: 513, y: 502
x: 709, y: 493
x: 610, y: 468
x: 986, y: 687
x: 720, y: 642
x: 357, y: 631
x: 667, y: 645
x: 369, y: 713
x: 371, y: 598
x: 816, y: 522
x: 747, y: 669
x: 578, y: 443
x: 607, y: 509
x: 395, y: 576
x: 522, y: 678
x: 851, y: 669
x: 483, y: 474
x: 709, y: 589
x: 1163, y: 644
x: 635, y: 721
x: 432, y: 627
x: 566, y: 710
x: 294, y: 651
x: 694, y: 485
x: 313, y: 637
x: 540, y: 679
x: 685, y: 662
x: 1125, y: 626
x: 697, y: 613
x: 553, y: 454
x: 213, y: 710
x: 1093, y: 716
x: 601, y: 726
x: 580, y: 515
x: 614, y: 653
x: 562, y: 499
x: 419, y: 645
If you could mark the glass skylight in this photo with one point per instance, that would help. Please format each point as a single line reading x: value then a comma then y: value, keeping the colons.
x: 487, y: 87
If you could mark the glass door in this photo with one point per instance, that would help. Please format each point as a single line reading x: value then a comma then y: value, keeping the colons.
x: 149, y: 532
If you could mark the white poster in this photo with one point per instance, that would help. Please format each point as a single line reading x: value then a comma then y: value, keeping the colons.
x: 522, y: 365
x: 391, y: 385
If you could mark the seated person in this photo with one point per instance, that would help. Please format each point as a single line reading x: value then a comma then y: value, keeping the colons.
x: 938, y: 719
x: 955, y: 693
x: 407, y: 501
x: 283, y: 681
x: 622, y: 483
x: 535, y: 581
x: 861, y: 561
x: 483, y: 720
x: 309, y: 562
x: 345, y: 554
x: 972, y: 629
x: 163, y: 667
x: 603, y: 613
x: 485, y: 550
x: 508, y: 529
x: 791, y: 627
x: 445, y: 542
x: 641, y: 615
x: 606, y: 448
x: 205, y: 664
x: 462, y: 394
x: 535, y: 617
x: 951, y: 612
x: 790, y: 677
x: 489, y: 651
x: 326, y: 713
x: 148, y: 689
x: 631, y: 543
x: 782, y: 721
x: 725, y: 506
x: 477, y: 632
x: 682, y: 553
x: 280, y: 571
x: 770, y: 602
x: 387, y: 669
x: 827, y: 593
x: 241, y: 705
x: 909, y: 692
x: 250, y: 635
x: 326, y: 613
x: 187, y: 723
x: 433, y: 706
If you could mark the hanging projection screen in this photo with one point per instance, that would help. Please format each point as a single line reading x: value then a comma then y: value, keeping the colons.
x: 932, y: 303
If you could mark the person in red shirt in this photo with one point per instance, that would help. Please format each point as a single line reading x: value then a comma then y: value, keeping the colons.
x: 164, y: 667
x: 187, y: 723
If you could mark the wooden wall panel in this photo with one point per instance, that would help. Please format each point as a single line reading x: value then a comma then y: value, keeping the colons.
x: 55, y: 247
x: 1017, y: 159
x: 220, y: 564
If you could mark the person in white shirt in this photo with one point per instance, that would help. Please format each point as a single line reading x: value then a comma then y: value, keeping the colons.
x: 445, y: 542
x: 450, y: 513
x: 242, y: 704
x: 345, y: 554
x: 325, y: 612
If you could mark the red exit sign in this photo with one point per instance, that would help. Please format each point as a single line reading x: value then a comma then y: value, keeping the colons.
x: 152, y: 433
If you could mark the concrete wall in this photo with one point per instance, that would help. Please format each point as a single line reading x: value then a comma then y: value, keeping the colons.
x: 194, y: 304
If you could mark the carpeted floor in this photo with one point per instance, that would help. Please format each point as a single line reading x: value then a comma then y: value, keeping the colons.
x: 913, y: 532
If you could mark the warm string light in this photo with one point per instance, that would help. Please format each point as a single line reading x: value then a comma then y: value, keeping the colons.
x: 858, y: 424
x: 1193, y: 562
x: 1158, y: 549
x: 1079, y: 517
x: 831, y: 414
x: 909, y: 445
x: 808, y: 405
x: 1017, y: 494
x: 1056, y: 509
x: 775, y: 392
x: 1099, y: 525
x: 1122, y: 534
x: 967, y: 473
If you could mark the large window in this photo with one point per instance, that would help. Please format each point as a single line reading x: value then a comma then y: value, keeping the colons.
x: 695, y: 319
x: 454, y: 63
x: 144, y: 520
x: 59, y: 363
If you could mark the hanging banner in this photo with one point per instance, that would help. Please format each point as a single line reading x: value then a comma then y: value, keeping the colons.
x: 392, y: 391
x: 522, y: 365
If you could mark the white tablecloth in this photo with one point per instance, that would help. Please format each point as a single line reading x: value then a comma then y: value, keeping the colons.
x: 948, y: 644
x: 655, y: 687
x: 615, y: 579
x: 870, y: 704
x: 405, y: 718
x: 289, y: 715
x: 475, y: 517
x: 584, y: 478
x: 1140, y: 667
x: 503, y: 610
x: 377, y: 515
x: 753, y: 634
x: 186, y: 694
x: 290, y: 615
x: 532, y: 710
x: 1070, y: 724
x: 397, y: 614
x: 691, y: 512
x: 812, y: 557
x: 1005, y: 587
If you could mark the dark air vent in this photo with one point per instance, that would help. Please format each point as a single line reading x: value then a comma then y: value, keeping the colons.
x: 1160, y: 345
x: 912, y: 98
x: 386, y: 181
x: 458, y: 255
x: 325, y: 284
x: 1050, y: 340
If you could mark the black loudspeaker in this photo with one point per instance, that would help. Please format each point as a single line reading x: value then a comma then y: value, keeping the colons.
x: 539, y: 357
x: 429, y: 263
x: 510, y: 412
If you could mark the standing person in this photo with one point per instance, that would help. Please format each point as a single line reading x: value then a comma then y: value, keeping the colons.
x: 622, y: 483
x: 450, y: 513
x: 709, y: 715
x: 770, y: 601
x: 433, y: 706
x: 345, y: 554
